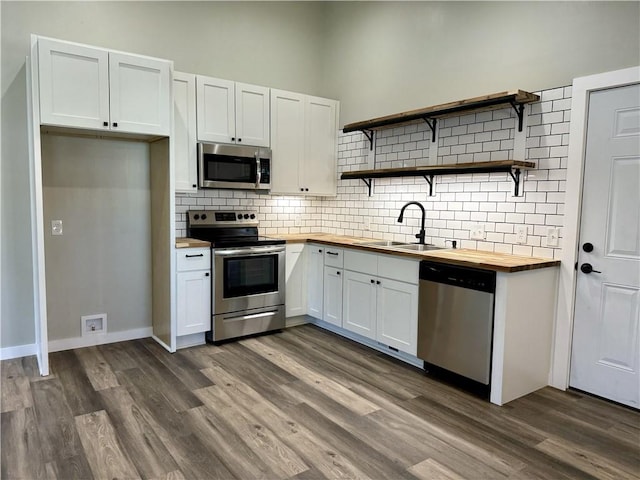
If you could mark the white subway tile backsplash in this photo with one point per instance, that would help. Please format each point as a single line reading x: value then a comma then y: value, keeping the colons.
x: 459, y: 200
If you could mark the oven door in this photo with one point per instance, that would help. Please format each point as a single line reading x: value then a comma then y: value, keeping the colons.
x: 231, y: 166
x: 246, y: 278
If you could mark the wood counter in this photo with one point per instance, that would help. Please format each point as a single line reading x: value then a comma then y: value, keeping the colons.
x: 499, y: 262
x: 185, y: 242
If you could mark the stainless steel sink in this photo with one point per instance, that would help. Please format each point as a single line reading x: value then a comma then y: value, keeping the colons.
x: 417, y: 247
x: 382, y: 243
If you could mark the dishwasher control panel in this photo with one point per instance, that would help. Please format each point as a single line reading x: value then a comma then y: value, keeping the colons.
x: 465, y: 277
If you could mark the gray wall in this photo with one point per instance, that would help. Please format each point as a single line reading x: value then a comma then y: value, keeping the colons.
x: 375, y: 57
x: 102, y: 263
x: 388, y: 57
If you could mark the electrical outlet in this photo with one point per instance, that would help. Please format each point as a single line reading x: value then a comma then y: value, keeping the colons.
x: 56, y: 227
x: 521, y: 233
x: 367, y: 222
x: 553, y: 236
x: 92, y: 324
x: 297, y: 221
x: 477, y: 232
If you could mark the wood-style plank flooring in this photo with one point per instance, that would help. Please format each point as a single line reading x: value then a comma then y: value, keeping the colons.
x: 302, y: 404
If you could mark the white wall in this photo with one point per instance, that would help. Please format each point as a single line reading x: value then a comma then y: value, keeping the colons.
x: 388, y: 57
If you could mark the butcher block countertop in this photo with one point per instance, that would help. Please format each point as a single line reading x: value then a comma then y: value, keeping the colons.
x: 499, y: 262
x: 184, y: 242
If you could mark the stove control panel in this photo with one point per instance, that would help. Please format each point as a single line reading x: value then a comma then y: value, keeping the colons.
x: 225, y: 218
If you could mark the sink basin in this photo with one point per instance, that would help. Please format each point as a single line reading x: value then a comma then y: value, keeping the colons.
x: 417, y: 247
x: 382, y: 243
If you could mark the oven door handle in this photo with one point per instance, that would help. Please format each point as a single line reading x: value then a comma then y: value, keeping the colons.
x: 247, y: 251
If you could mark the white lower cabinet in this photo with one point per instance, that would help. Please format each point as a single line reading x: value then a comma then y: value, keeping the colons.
x: 381, y: 299
x: 295, y: 280
x: 315, y: 280
x: 332, y: 301
x: 397, y: 315
x: 193, y: 290
x: 359, y: 304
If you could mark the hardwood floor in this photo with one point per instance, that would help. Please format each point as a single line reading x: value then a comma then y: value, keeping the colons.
x: 302, y: 404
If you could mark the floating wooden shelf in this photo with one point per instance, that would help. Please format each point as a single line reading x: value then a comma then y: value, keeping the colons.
x: 512, y: 167
x: 515, y: 98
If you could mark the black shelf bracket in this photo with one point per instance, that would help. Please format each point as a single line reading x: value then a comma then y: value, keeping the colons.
x: 429, y: 179
x: 519, y: 108
x: 368, y: 183
x: 370, y: 134
x: 432, y: 122
x: 515, y: 175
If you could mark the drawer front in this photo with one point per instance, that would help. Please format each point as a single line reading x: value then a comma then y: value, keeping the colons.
x: 358, y: 261
x: 333, y: 257
x: 193, y: 259
x: 400, y: 269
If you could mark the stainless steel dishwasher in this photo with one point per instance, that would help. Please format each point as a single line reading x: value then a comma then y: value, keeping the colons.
x: 455, y: 324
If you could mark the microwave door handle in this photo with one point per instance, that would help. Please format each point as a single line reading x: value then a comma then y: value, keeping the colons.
x: 258, y: 173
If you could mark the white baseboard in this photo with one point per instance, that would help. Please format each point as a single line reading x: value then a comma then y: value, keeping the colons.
x: 7, y: 353
x: 99, y: 339
x: 405, y: 357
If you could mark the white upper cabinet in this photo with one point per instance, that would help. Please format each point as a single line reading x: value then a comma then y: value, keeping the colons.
x: 230, y: 112
x: 287, y: 140
x: 74, y: 85
x: 184, y: 132
x: 93, y: 88
x: 140, y: 94
x: 216, y: 110
x: 304, y: 144
x: 320, y: 146
x: 252, y: 115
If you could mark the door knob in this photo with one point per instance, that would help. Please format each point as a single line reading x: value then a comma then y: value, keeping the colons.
x: 587, y: 268
x: 587, y: 247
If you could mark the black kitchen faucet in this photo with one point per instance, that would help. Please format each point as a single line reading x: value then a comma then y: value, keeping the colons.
x: 419, y: 236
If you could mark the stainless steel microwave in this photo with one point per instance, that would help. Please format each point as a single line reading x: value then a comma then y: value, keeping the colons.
x: 234, y: 166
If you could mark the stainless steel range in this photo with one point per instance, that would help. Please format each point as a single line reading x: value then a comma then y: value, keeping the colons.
x: 248, y: 291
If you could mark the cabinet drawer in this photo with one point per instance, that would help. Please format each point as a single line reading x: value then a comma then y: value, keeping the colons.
x: 333, y: 257
x: 358, y: 261
x: 398, y: 268
x: 193, y: 259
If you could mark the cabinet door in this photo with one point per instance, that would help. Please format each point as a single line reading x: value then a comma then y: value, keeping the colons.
x: 397, y: 315
x: 332, y: 306
x: 315, y: 276
x: 193, y: 302
x: 215, y: 100
x: 252, y: 115
x: 140, y: 94
x: 287, y: 141
x: 74, y: 85
x: 295, y: 280
x: 359, y: 304
x: 319, y: 171
x: 184, y: 132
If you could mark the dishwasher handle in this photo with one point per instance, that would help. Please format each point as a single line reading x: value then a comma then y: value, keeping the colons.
x: 463, y: 277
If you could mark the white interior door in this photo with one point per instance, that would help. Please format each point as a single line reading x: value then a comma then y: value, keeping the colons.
x: 606, y: 338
